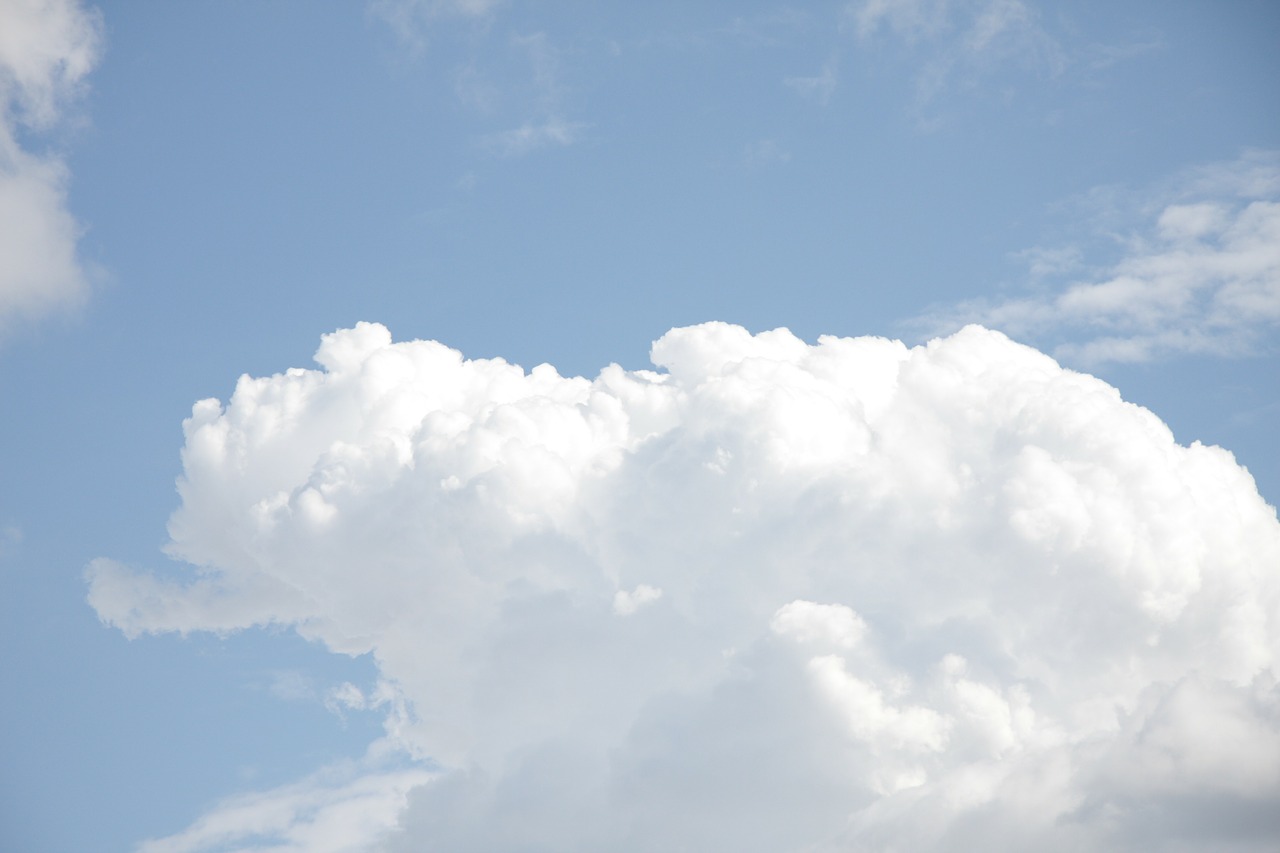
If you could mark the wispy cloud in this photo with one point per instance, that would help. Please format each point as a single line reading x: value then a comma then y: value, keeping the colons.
x: 544, y: 67
x: 475, y: 90
x: 820, y: 88
x: 411, y: 20
x: 955, y: 46
x: 343, y: 808
x: 546, y: 126
x: 1100, y: 57
x: 959, y: 42
x: 47, y: 50
x: 907, y: 19
x: 768, y: 28
x: 295, y: 686
x: 549, y: 133
x: 764, y: 152
x: 1199, y: 272
x: 10, y: 539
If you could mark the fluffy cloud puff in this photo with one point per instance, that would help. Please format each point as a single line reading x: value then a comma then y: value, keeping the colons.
x: 47, y: 48
x: 774, y: 596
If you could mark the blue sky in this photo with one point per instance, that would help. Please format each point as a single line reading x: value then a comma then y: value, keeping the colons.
x: 197, y: 191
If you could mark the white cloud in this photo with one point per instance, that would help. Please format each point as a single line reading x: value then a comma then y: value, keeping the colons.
x: 933, y: 598
x: 807, y: 622
x: 627, y: 602
x: 342, y: 809
x: 47, y: 48
x: 1199, y: 274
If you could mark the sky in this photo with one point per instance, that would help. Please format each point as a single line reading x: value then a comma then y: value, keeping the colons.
x: 493, y: 426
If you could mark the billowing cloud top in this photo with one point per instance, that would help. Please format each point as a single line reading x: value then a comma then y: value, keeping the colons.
x: 775, y: 596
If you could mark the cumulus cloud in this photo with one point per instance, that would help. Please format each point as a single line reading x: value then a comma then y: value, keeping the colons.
x: 770, y: 596
x: 1200, y: 273
x: 47, y: 48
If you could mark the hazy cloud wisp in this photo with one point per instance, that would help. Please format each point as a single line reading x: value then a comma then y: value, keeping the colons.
x: 959, y: 40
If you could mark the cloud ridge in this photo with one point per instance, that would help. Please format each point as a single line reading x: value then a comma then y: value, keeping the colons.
x: 773, y: 595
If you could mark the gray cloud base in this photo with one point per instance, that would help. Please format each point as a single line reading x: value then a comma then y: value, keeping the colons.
x: 781, y: 596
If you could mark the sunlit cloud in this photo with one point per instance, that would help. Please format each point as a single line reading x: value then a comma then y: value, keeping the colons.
x: 768, y: 595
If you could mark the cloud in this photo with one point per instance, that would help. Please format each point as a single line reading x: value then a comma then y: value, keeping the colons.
x: 549, y: 128
x: 625, y: 603
x: 475, y: 90
x: 516, y: 80
x: 11, y: 537
x: 770, y: 596
x: 818, y: 89
x: 764, y: 152
x: 1200, y: 273
x: 541, y: 98
x: 1100, y: 57
x: 768, y: 29
x: 532, y: 136
x: 959, y: 42
x: 908, y: 19
x: 487, y: 84
x: 342, y: 809
x: 295, y: 686
x: 47, y: 48
x: 411, y: 19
